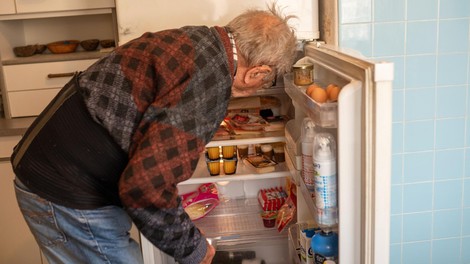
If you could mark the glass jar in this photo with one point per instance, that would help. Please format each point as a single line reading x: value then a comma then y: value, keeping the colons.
x: 303, y: 74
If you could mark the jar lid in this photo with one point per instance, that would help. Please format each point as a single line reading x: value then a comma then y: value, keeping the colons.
x: 303, y: 66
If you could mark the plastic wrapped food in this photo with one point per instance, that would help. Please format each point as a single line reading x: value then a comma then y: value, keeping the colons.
x: 199, y: 203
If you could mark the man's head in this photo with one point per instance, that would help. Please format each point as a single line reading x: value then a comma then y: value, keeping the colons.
x: 266, y: 46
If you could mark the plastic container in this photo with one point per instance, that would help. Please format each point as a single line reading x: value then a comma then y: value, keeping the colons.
x: 325, y: 247
x: 325, y: 179
x: 306, y: 140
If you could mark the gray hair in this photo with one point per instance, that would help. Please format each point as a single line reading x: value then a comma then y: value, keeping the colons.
x: 264, y: 37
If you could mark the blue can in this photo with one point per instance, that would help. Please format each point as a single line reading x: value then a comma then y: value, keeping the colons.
x: 324, y: 246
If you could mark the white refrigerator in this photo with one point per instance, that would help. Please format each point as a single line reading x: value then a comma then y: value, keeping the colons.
x: 360, y: 121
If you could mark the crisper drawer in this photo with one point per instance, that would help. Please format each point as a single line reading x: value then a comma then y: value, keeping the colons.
x: 45, y: 75
x: 29, y: 103
x: 29, y: 6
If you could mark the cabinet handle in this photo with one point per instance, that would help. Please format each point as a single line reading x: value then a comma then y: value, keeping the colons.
x: 60, y: 75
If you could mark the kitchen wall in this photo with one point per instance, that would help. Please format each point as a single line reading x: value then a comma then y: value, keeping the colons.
x: 428, y: 40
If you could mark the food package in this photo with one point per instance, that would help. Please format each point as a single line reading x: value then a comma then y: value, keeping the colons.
x: 271, y: 199
x: 286, y: 214
x: 199, y: 203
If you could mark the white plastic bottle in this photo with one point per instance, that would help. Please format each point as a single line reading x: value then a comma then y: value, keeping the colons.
x: 306, y: 141
x: 326, y: 189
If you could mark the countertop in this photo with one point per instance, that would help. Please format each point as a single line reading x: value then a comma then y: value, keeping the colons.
x: 15, y: 126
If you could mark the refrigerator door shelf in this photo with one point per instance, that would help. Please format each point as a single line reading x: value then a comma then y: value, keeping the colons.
x: 324, y: 114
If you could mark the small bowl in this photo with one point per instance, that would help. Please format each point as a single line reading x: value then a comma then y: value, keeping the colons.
x: 90, y: 44
x: 25, y: 51
x: 64, y: 46
x: 107, y: 43
x: 40, y: 48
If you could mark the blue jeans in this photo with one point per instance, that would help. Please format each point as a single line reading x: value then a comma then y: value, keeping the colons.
x: 68, y: 235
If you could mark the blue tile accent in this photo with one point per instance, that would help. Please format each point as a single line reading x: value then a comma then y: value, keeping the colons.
x: 420, y: 71
x: 467, y: 162
x: 419, y: 136
x: 396, y: 203
x: 418, y: 167
x: 416, y: 10
x: 417, y: 227
x: 420, y: 104
x: 429, y: 44
x: 449, y: 164
x: 388, y: 39
x: 466, y: 219
x: 452, y: 69
x: 389, y: 10
x: 454, y: 8
x: 448, y: 194
x: 395, y: 229
x: 450, y: 133
x: 421, y: 37
x: 466, y: 198
x: 447, y: 223
x: 397, y: 169
x: 465, y: 253
x: 397, y: 138
x: 398, y: 103
x: 417, y: 197
x: 354, y: 11
x: 357, y: 37
x: 451, y: 101
x: 417, y: 253
x: 395, y: 254
x: 453, y: 35
x: 447, y: 251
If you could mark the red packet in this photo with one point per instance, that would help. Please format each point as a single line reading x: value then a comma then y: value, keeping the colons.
x: 199, y: 203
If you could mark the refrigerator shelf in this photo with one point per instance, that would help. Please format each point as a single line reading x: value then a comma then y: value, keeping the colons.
x: 237, y: 221
x: 244, y: 172
x: 261, y: 138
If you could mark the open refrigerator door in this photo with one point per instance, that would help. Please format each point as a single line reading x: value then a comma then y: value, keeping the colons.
x: 360, y: 121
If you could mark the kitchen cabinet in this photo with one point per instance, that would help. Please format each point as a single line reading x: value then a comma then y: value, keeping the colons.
x: 43, y: 22
x: 16, y: 241
x: 29, y: 96
x: 31, y: 6
x: 7, y: 7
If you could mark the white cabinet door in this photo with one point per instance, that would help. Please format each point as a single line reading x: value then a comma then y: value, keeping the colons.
x: 45, y: 75
x: 29, y: 103
x: 32, y: 6
x: 7, y: 7
x: 30, y: 87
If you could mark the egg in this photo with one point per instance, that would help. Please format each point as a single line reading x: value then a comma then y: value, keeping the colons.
x: 332, y: 91
x: 310, y: 89
x: 319, y: 95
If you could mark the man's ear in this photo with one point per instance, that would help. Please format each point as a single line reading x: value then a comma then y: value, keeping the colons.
x: 255, y: 75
